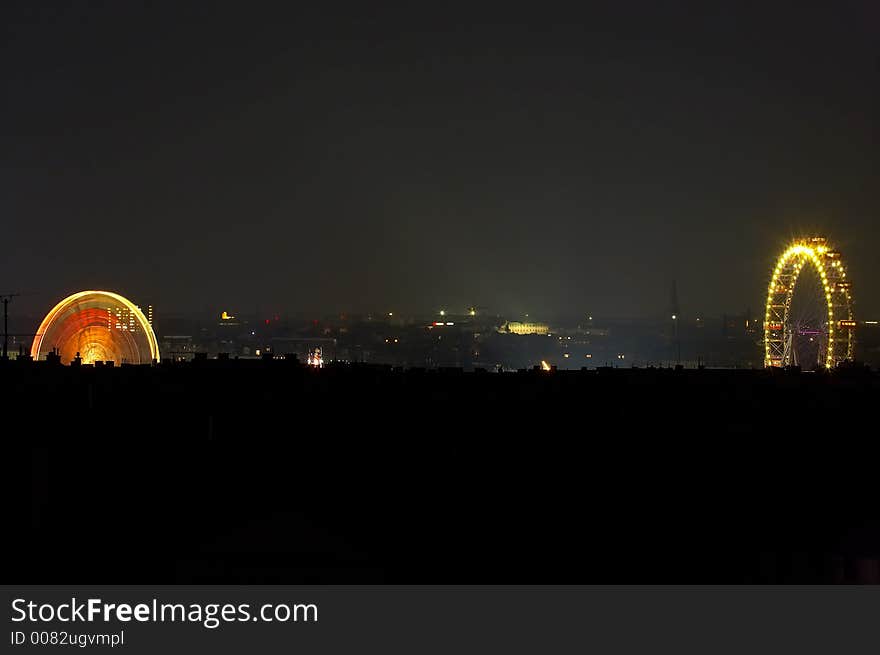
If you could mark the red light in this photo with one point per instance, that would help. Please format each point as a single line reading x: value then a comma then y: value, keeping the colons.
x: 267, y: 321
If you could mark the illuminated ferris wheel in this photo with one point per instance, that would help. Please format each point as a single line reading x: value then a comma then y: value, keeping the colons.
x: 808, y: 320
x: 96, y: 326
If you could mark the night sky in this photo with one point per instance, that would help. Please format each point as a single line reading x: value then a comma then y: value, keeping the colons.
x: 554, y: 159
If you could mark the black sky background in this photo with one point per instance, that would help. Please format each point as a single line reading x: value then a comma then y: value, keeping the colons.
x: 554, y: 159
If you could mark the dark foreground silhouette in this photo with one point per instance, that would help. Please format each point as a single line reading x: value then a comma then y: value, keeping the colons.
x: 269, y: 471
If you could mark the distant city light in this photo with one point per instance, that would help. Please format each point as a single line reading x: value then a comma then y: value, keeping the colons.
x: 315, y: 358
x: 545, y: 366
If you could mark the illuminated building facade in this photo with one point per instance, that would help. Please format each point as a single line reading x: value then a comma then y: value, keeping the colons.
x: 516, y: 327
x: 96, y: 326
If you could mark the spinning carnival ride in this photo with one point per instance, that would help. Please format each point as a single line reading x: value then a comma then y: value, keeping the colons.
x: 96, y: 326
